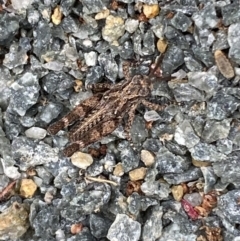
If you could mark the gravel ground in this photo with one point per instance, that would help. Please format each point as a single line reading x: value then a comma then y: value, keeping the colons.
x: 179, y: 179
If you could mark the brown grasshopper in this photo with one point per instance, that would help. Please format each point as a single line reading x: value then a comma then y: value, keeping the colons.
x: 102, y: 113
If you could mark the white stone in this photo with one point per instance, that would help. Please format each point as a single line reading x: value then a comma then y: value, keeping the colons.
x: 81, y: 160
x: 151, y: 115
x: 21, y: 4
x: 131, y: 25
x: 12, y: 172
x: 36, y: 133
x: 90, y: 58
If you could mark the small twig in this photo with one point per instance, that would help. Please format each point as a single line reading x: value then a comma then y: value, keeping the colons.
x: 97, y: 179
x: 4, y: 194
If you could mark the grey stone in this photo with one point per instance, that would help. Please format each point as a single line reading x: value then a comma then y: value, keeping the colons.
x: 70, y: 25
x: 138, y: 130
x: 203, y: 81
x: 230, y: 14
x: 221, y: 40
x: 228, y: 205
x: 156, y: 189
x: 95, y: 6
x: 138, y: 203
x: 224, y: 146
x: 99, y: 225
x: 195, y: 199
x: 25, y: 92
x: 33, y: 16
x: 203, y: 55
x: 216, y: 130
x: 209, y: 178
x: 185, y: 135
x: 95, y: 198
x: 166, y: 162
x: 9, y: 26
x: 128, y: 157
x: 124, y: 228
x: 173, y: 58
x: 32, y: 154
x: 131, y: 25
x: 221, y: 106
x: 16, y: 57
x: 152, y: 229
x: 50, y: 112
x: 186, y: 92
x: 191, y: 174
x: 181, y: 21
x: 233, y: 37
x: 206, y: 152
x: 206, y: 18
x: 228, y: 170
x: 109, y: 66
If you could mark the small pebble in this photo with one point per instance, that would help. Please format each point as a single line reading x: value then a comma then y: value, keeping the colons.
x: 147, y: 158
x: 113, y: 29
x: 177, y: 192
x: 81, y: 160
x: 151, y: 115
x: 19, y: 5
x: 151, y: 11
x: 48, y: 197
x: 137, y: 174
x: 118, y: 171
x: 195, y: 199
x: 131, y: 25
x: 78, y: 85
x: 12, y: 172
x: 197, y: 163
x: 90, y: 58
x: 14, y: 221
x: 57, y: 16
x: 162, y: 45
x: 36, y: 133
x: 76, y: 228
x: 28, y: 188
x: 60, y: 235
x: 223, y: 64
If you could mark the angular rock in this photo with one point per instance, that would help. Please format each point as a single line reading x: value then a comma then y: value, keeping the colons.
x: 32, y: 154
x: 9, y: 26
x: 185, y: 135
x: 191, y: 174
x: 14, y: 221
x: 124, y: 228
x: 216, y: 130
x: 166, y: 162
x: 113, y: 29
x: 206, y: 152
x: 99, y: 225
x: 152, y: 229
x: 25, y: 92
x: 228, y: 170
x: 228, y: 205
